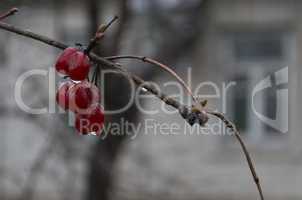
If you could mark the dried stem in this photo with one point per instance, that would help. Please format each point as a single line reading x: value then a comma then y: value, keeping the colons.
x: 104, y: 28
x: 231, y: 126
x: 9, y: 13
x: 99, y: 35
x: 93, y: 42
x: 156, y: 63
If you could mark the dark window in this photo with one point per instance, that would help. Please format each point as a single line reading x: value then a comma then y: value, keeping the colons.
x: 251, y: 49
x: 240, y: 103
x: 257, y: 46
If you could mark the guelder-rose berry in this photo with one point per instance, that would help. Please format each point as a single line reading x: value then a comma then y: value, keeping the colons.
x: 92, y: 122
x: 73, y: 63
x: 62, y: 65
x: 78, y: 66
x: 62, y: 96
x: 82, y: 95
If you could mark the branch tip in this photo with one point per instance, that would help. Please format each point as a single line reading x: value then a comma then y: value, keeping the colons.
x: 12, y: 11
x: 100, y: 33
x: 103, y: 28
x: 249, y: 160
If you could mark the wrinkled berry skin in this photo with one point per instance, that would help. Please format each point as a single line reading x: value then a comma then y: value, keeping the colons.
x: 62, y: 95
x: 62, y: 65
x: 73, y: 63
x: 79, y: 66
x: 92, y: 122
x: 82, y: 96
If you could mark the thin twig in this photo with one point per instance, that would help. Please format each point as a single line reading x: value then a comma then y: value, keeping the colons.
x: 99, y: 35
x: 231, y: 126
x: 102, y: 29
x: 156, y: 63
x: 9, y: 13
x: 93, y: 42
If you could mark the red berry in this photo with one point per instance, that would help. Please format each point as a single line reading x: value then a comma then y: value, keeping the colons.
x: 62, y: 65
x: 62, y: 96
x: 82, y: 95
x: 74, y: 63
x: 79, y: 66
x: 92, y: 122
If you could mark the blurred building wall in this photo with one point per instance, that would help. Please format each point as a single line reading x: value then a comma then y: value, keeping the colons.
x: 28, y: 157
x: 244, y: 41
x: 172, y: 166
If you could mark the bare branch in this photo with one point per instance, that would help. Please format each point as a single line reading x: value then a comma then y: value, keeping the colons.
x: 102, y: 29
x: 99, y: 35
x: 231, y: 126
x: 156, y: 63
x: 9, y: 13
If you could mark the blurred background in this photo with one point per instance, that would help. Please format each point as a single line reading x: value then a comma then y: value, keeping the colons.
x: 244, y: 41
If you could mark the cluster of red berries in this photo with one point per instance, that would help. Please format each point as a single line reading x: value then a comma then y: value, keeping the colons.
x: 78, y: 94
